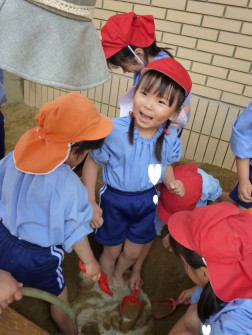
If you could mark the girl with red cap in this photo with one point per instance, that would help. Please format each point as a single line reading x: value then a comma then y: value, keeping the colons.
x: 214, y: 245
x: 128, y: 41
x: 135, y: 156
x: 44, y: 208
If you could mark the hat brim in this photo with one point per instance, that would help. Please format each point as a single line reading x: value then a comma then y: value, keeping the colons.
x: 172, y: 72
x: 35, y: 155
x: 50, y: 49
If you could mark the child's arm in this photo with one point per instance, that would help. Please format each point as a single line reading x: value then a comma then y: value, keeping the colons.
x: 89, y: 178
x: 245, y: 186
x: 83, y: 250
x: 173, y: 185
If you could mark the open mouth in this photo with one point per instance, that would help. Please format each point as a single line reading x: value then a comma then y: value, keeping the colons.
x: 145, y: 116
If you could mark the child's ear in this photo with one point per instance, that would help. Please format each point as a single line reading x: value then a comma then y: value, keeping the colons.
x: 204, y: 274
x: 140, y: 53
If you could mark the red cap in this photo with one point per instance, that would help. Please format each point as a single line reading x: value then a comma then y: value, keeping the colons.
x: 120, y: 30
x: 173, y: 69
x: 170, y: 203
x: 222, y: 234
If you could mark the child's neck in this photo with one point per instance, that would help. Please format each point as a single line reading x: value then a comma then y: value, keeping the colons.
x: 146, y: 133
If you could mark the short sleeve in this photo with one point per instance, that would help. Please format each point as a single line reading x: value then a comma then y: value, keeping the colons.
x: 172, y: 147
x: 241, y: 139
x: 234, y: 319
x: 211, y: 188
x: 78, y: 214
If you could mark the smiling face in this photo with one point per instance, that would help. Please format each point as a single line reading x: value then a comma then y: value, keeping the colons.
x: 155, y: 102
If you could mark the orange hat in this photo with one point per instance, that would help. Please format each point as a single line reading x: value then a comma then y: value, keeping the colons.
x: 69, y: 119
x: 170, y: 203
x: 121, y: 30
x: 222, y: 234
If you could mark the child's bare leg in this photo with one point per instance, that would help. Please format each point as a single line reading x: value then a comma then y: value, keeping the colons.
x: 61, y: 318
x: 136, y: 268
x: 108, y: 259
x: 130, y: 253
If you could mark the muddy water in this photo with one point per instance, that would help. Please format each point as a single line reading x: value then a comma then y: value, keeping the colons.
x: 98, y: 313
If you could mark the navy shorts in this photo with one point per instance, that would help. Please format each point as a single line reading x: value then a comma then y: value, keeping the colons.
x: 30, y: 264
x: 234, y: 193
x: 126, y: 215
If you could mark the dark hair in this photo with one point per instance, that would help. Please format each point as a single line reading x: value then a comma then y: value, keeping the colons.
x: 148, y: 83
x: 80, y: 147
x: 208, y: 303
x: 125, y: 55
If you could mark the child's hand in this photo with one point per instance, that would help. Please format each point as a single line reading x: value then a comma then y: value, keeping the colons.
x: 97, y: 220
x: 93, y: 270
x: 185, y: 295
x: 245, y: 190
x: 177, y: 187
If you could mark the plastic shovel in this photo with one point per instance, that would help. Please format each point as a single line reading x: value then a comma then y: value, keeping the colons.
x: 130, y: 309
x: 163, y: 308
x: 103, y: 281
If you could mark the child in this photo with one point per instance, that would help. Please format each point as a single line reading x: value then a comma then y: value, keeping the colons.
x: 241, y: 145
x: 128, y: 41
x: 200, y: 188
x: 138, y: 142
x: 2, y: 100
x: 44, y: 207
x: 214, y: 245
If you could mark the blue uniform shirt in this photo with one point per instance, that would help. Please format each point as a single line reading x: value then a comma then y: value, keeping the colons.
x: 125, y: 166
x: 241, y: 139
x: 46, y: 210
x: 235, y: 318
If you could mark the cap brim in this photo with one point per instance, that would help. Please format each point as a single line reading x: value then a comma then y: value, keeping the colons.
x: 179, y: 228
x: 50, y: 49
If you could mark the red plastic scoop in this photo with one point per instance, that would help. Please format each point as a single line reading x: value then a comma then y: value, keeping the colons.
x: 163, y: 308
x: 103, y: 281
x: 130, y: 309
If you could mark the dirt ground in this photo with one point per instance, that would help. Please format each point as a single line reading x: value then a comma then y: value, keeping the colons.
x: 162, y: 272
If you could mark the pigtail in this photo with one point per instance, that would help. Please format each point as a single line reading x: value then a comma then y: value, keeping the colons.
x: 131, y: 131
x: 159, y: 143
x: 208, y: 303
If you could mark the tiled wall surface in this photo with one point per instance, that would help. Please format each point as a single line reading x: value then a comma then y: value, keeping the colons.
x: 211, y: 38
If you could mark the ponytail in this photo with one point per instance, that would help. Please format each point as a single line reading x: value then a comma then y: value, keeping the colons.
x: 208, y: 303
x: 131, y: 131
x: 159, y: 144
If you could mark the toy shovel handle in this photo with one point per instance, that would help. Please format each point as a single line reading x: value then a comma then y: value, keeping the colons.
x: 135, y: 292
x: 81, y: 266
x: 103, y: 282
